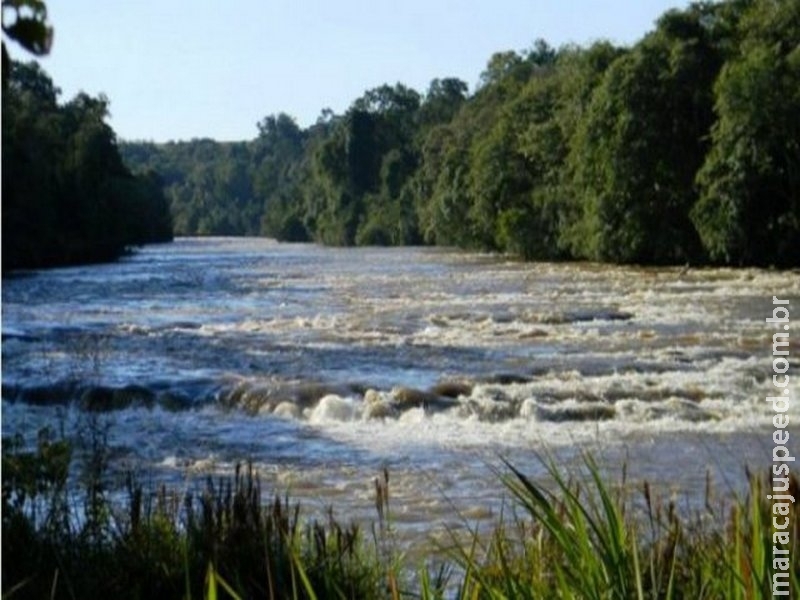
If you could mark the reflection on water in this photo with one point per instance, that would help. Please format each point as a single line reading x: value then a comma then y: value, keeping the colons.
x: 325, y: 365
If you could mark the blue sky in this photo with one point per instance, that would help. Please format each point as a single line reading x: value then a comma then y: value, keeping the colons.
x: 178, y: 69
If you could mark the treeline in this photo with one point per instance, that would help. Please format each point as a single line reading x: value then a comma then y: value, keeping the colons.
x: 682, y: 148
x: 67, y: 196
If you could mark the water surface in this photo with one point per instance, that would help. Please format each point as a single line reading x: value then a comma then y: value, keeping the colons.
x: 323, y: 366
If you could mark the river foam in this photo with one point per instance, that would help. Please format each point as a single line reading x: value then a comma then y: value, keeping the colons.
x: 323, y: 366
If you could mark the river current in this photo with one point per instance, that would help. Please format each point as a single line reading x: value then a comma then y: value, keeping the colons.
x: 324, y: 366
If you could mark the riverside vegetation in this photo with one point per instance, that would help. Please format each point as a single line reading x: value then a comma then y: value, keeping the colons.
x: 575, y: 537
x: 67, y: 196
x: 681, y: 148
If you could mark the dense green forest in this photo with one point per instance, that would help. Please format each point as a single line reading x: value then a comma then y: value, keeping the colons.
x: 682, y: 148
x: 67, y: 196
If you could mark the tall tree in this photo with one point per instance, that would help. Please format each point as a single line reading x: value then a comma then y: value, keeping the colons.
x: 67, y: 197
x: 641, y: 143
x: 749, y: 209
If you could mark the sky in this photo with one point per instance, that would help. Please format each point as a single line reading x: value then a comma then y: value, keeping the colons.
x: 183, y: 69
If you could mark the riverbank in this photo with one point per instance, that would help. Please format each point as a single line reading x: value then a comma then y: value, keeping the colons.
x: 576, y: 533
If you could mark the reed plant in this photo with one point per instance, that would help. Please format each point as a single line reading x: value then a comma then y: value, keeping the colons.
x: 221, y: 540
x: 566, y: 535
x: 576, y: 538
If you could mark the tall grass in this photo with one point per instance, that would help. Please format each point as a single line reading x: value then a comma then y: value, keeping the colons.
x: 566, y: 536
x: 580, y: 540
x: 222, y: 540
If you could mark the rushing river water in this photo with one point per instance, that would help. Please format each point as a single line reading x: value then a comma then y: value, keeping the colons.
x: 323, y: 366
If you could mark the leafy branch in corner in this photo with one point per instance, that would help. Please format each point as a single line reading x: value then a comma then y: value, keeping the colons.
x: 25, y: 22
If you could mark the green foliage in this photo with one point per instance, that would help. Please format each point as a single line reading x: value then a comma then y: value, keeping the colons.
x: 208, y: 186
x: 637, y: 150
x: 35, y: 479
x: 25, y: 22
x: 749, y: 208
x: 362, y: 168
x: 219, y: 541
x: 587, y: 540
x: 570, y: 535
x: 681, y: 148
x: 239, y: 188
x: 67, y: 197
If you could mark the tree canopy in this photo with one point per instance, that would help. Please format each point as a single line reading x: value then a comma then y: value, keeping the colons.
x: 67, y: 195
x: 681, y: 148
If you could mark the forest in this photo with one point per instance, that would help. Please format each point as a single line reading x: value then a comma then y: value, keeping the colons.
x: 684, y: 148
x: 67, y: 196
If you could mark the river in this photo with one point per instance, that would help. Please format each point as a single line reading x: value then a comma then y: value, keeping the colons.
x: 324, y: 366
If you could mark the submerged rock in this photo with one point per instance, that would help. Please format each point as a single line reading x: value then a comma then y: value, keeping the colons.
x: 97, y: 399
x: 576, y: 412
x: 410, y: 397
x: 57, y: 393
x: 372, y: 396
x: 174, y: 400
x: 406, y: 398
x: 379, y: 405
x: 104, y: 398
x: 493, y: 410
x: 231, y: 397
x: 308, y: 394
x: 452, y: 389
x: 689, y: 410
x: 258, y: 397
x: 508, y: 378
x: 134, y: 395
x: 379, y: 410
